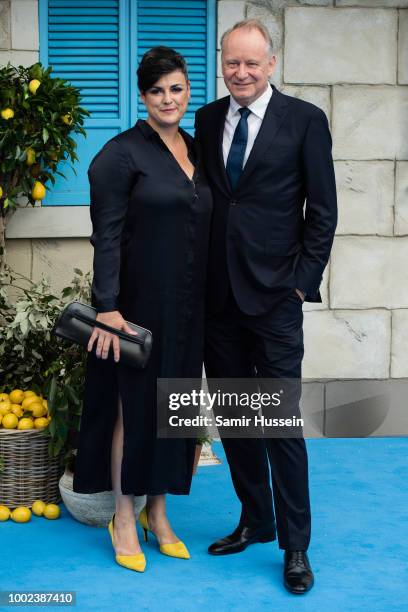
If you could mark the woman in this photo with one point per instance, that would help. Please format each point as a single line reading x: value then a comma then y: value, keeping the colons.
x: 150, y: 211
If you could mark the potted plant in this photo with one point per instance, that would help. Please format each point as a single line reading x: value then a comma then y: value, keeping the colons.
x: 38, y: 115
x: 31, y: 357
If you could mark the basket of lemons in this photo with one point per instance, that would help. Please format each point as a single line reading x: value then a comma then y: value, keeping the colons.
x: 27, y: 472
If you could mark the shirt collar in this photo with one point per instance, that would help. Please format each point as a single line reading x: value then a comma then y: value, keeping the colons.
x: 146, y: 129
x: 149, y: 132
x: 258, y: 107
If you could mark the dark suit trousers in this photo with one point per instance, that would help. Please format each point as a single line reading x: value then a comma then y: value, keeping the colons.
x: 271, y: 345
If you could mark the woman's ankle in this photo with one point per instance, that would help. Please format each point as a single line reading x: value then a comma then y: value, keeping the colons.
x: 123, y: 519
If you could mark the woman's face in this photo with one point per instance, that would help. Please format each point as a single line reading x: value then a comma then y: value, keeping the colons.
x: 166, y: 101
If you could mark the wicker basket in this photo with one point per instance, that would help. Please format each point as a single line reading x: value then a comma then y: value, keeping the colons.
x: 29, y: 472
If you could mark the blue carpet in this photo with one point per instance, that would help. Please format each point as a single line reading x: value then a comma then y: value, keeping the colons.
x: 358, y: 551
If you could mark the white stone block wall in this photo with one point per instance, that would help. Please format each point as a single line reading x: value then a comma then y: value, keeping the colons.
x: 350, y: 58
x: 19, y: 33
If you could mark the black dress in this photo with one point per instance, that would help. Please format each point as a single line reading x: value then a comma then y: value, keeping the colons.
x: 150, y: 238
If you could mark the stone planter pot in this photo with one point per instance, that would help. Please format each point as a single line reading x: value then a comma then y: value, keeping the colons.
x: 94, y: 509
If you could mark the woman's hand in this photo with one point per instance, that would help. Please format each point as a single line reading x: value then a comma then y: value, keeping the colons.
x: 113, y: 319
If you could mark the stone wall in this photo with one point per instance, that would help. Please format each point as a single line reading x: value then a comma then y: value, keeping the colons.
x: 350, y: 57
x: 19, y: 32
x: 345, y: 56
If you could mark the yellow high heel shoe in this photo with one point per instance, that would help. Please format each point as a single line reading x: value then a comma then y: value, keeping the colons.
x: 177, y: 549
x: 133, y: 562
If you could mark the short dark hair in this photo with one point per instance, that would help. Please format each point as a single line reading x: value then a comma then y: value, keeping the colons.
x: 156, y: 63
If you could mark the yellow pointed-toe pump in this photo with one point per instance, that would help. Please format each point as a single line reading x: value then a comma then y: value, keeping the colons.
x: 133, y: 562
x: 176, y: 549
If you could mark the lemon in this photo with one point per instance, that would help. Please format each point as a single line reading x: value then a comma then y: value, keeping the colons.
x: 45, y: 403
x: 22, y: 514
x: 40, y: 423
x: 26, y: 423
x: 38, y: 507
x: 16, y: 396
x: 37, y: 409
x: 38, y: 192
x: 4, y: 513
x: 67, y: 119
x: 17, y: 410
x: 31, y: 399
x: 34, y: 85
x: 30, y: 157
x: 1, y: 191
x: 5, y: 407
x: 7, y: 113
x: 51, y: 511
x: 10, y: 421
x: 29, y: 393
x: 4, y: 396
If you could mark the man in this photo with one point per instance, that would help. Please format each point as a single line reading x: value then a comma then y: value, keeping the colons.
x: 266, y: 155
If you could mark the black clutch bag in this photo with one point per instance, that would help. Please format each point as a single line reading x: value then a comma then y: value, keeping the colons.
x: 76, y: 323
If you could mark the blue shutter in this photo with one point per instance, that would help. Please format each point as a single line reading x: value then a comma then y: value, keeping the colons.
x: 97, y: 44
x: 86, y: 42
x: 188, y: 26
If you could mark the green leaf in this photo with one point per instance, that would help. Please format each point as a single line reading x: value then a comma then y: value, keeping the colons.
x: 45, y: 135
x: 52, y: 427
x: 59, y: 443
x: 72, y: 395
x: 63, y: 407
x: 53, y: 391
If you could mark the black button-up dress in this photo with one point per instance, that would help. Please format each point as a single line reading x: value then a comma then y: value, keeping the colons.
x: 150, y: 237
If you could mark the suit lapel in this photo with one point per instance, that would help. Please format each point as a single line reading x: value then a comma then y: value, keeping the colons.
x: 219, y: 157
x: 274, y: 115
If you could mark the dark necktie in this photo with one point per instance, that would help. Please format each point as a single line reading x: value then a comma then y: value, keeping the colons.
x: 236, y: 153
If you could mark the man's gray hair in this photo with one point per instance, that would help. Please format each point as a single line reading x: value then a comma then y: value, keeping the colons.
x: 251, y: 24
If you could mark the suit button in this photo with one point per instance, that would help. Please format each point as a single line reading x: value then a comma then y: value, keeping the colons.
x: 233, y: 203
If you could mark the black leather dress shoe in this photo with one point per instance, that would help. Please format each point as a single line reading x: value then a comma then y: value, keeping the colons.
x: 241, y: 538
x: 297, y: 574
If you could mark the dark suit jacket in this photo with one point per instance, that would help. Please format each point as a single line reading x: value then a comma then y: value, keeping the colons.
x: 274, y: 232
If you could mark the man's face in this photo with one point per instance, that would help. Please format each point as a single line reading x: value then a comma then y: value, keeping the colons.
x: 246, y: 65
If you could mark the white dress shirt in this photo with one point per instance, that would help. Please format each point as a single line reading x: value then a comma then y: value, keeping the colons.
x: 258, y: 109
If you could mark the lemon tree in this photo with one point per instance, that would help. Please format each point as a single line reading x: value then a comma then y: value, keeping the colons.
x: 39, y: 114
